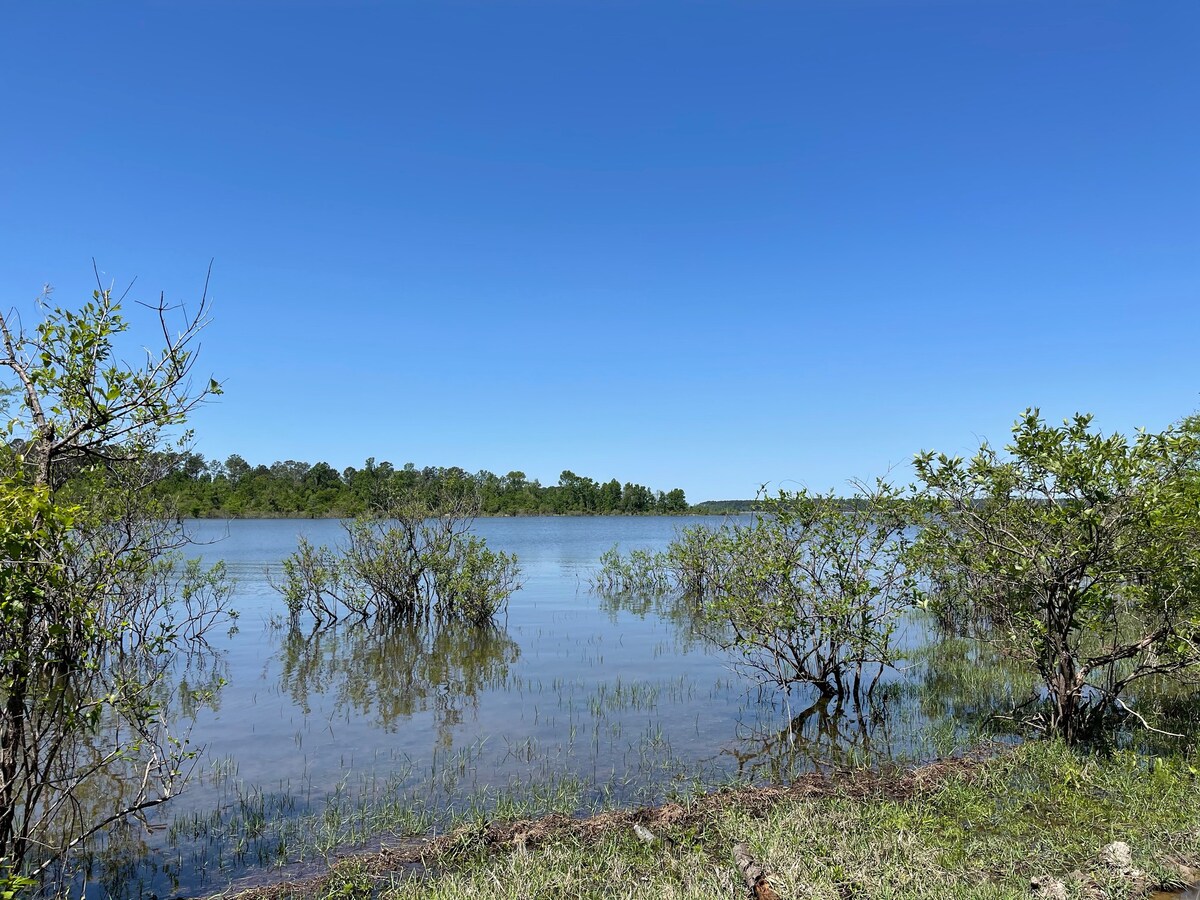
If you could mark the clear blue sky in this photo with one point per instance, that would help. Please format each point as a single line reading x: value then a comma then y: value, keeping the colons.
x: 699, y: 244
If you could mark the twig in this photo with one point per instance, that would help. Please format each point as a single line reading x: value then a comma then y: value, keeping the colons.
x: 1145, y: 724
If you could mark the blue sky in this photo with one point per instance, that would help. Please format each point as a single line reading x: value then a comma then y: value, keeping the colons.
x: 704, y: 244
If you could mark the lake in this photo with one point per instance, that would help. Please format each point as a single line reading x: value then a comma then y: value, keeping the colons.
x: 319, y: 742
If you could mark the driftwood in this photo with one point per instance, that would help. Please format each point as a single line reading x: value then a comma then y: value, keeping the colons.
x: 754, y: 875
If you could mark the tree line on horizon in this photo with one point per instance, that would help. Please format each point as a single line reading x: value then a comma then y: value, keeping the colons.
x: 200, y: 488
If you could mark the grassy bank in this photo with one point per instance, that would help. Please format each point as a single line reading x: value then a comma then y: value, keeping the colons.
x: 978, y: 828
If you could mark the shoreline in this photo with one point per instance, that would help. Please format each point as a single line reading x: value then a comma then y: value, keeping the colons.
x: 526, y: 834
x: 998, y: 822
x: 547, y: 515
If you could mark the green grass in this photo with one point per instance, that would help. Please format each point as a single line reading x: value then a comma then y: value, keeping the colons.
x: 978, y: 831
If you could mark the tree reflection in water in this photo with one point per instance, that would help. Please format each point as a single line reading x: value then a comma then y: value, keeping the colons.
x: 185, y: 687
x: 830, y: 732
x: 390, y: 671
x: 684, y: 614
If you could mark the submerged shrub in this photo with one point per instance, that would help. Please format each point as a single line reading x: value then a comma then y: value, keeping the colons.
x: 641, y: 572
x: 699, y: 559
x: 810, y: 592
x: 312, y: 581
x: 410, y: 566
x: 473, y: 582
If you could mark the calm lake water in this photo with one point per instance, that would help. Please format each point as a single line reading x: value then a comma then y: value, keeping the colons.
x: 317, y: 741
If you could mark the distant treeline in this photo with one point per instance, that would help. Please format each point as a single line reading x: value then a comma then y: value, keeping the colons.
x: 723, y: 507
x: 730, y: 507
x: 203, y: 488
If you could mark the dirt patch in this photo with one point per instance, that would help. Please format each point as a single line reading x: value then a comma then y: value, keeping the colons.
x: 414, y: 855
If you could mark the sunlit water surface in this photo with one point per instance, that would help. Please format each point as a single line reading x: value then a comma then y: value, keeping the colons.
x: 318, y: 740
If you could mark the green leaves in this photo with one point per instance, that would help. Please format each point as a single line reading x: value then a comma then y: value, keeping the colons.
x: 92, y: 608
x: 412, y: 566
x: 811, y: 592
x: 1080, y: 549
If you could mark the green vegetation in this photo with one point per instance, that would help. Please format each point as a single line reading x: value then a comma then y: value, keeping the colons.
x: 410, y: 563
x: 1078, y: 554
x: 724, y: 507
x: 1063, y: 575
x: 234, y: 488
x: 810, y: 592
x: 95, y: 609
x: 640, y: 573
x: 1042, y: 813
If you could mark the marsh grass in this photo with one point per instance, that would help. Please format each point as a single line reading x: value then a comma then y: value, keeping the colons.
x: 959, y: 829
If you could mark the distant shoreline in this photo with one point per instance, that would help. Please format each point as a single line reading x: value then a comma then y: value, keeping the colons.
x: 538, y: 515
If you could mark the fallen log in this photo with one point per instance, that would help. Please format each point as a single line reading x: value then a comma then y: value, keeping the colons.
x: 753, y: 874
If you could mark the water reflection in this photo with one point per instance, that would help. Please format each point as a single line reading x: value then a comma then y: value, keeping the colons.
x: 123, y: 763
x: 387, y: 672
x: 692, y: 629
x: 968, y: 682
x: 831, y: 732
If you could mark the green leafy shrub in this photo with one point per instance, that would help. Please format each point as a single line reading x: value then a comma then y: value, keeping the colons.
x: 414, y: 564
